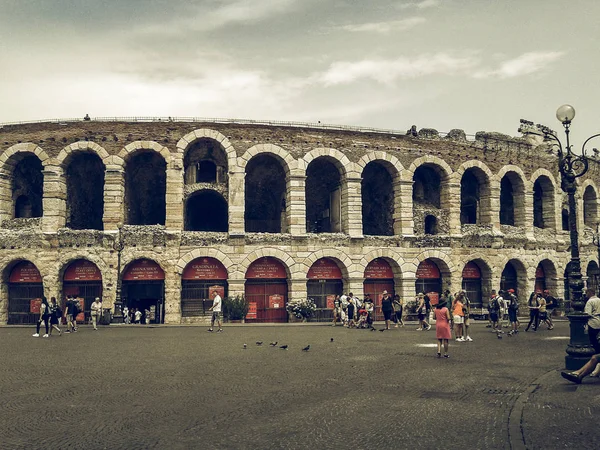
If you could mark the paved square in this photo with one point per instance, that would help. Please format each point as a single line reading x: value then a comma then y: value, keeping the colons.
x: 181, y: 387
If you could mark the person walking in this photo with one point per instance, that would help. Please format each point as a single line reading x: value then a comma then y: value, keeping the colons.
x: 534, y: 311
x: 459, y: 318
x: 398, y: 307
x: 442, y: 328
x: 513, y: 312
x: 126, y: 318
x: 350, y: 309
x: 95, y: 311
x: 494, y: 309
x: 369, y: 307
x: 44, y: 316
x: 422, y: 313
x: 387, y: 308
x: 216, y: 309
x: 467, y: 310
x: 71, y: 315
x: 55, y: 315
x: 336, y: 310
x: 551, y: 304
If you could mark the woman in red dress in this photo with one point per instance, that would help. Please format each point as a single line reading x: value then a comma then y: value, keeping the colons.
x: 442, y: 328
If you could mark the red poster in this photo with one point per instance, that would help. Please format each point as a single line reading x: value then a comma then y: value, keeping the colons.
x: 204, y: 269
x: 35, y: 305
x: 220, y: 290
x: 330, y: 301
x: 252, y: 308
x: 81, y: 316
x: 428, y: 270
x: 324, y: 269
x: 434, y: 298
x: 266, y: 268
x: 379, y: 269
x: 82, y: 270
x: 143, y: 269
x: 471, y: 271
x: 25, y: 272
x: 539, y: 272
x: 275, y: 301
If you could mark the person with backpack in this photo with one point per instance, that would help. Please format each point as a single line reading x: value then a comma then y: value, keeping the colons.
x: 513, y: 312
x: 467, y: 312
x: 55, y: 315
x: 551, y: 304
x: 534, y: 311
x: 71, y: 314
x: 494, y: 309
x: 44, y: 316
x: 398, y: 307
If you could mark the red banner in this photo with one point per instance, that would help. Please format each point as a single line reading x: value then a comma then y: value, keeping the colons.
x: 266, y: 268
x: 252, y: 309
x: 324, y: 269
x: 25, y: 272
x: 330, y: 301
x: 35, y: 305
x: 379, y: 269
x: 82, y: 270
x: 471, y: 271
x: 220, y: 290
x: 428, y: 270
x: 143, y: 269
x: 204, y: 269
x: 275, y: 301
x: 539, y: 272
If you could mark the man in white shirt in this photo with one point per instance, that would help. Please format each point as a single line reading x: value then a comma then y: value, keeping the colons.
x: 216, y: 309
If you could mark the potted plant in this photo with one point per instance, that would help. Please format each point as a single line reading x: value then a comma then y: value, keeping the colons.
x: 302, y: 309
x: 235, y: 308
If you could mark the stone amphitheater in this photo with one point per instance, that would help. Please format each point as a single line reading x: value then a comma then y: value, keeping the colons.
x: 171, y: 210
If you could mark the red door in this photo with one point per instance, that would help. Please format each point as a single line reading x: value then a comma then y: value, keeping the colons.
x: 268, y: 299
x: 375, y: 288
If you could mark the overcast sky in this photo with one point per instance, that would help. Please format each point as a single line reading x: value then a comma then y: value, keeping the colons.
x: 443, y: 64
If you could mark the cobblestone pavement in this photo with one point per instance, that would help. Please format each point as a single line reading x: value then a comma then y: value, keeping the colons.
x: 181, y: 387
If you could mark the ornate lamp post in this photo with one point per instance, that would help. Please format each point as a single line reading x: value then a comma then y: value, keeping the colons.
x: 119, y: 245
x: 596, y: 242
x: 571, y: 167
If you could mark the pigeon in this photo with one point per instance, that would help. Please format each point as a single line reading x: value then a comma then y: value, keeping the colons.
x: 307, y: 348
x: 258, y: 342
x: 382, y: 330
x: 284, y: 347
x: 273, y: 344
x: 245, y: 346
x: 331, y: 340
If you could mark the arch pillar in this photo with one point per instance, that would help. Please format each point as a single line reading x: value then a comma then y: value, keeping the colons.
x: 452, y: 206
x: 528, y: 211
x: 236, y: 286
x: 296, y: 204
x: 408, y: 292
x: 114, y: 193
x: 492, y: 215
x: 355, y: 285
x: 352, y: 206
x: 174, y: 194
x: 172, y: 297
x: 297, y: 288
x: 54, y: 199
x: 403, y: 208
x: 237, y: 198
x: 6, y: 206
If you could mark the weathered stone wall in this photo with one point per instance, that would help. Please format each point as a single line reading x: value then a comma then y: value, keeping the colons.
x: 51, y: 247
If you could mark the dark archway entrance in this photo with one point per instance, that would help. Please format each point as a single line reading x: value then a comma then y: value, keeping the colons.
x: 379, y: 277
x: 25, y: 292
x: 472, y: 285
x: 83, y: 280
x: 206, y: 210
x: 145, y: 189
x: 377, y: 190
x: 85, y: 192
x: 429, y: 280
x: 324, y: 283
x: 144, y: 289
x: 266, y: 291
x: 323, y: 197
x: 200, y: 278
x: 265, y: 195
x: 28, y: 188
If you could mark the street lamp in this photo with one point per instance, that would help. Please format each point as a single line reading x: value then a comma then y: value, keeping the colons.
x: 596, y: 242
x: 572, y: 166
x: 119, y: 245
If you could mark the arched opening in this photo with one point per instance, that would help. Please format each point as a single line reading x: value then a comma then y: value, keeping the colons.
x: 429, y: 199
x: 25, y: 292
x: 540, y: 279
x: 83, y: 280
x: 469, y: 198
x: 145, y: 189
x: 546, y: 277
x: 200, y: 278
x: 512, y: 200
x: 514, y: 276
x: 590, y: 207
x: 265, y: 195
x: 205, y: 162
x: 144, y: 290
x: 379, y: 277
x: 206, y: 210
x: 325, y: 281
x: 28, y: 187
x: 565, y: 219
x: 429, y: 280
x: 85, y: 192
x: 266, y: 290
x: 543, y: 203
x: 430, y: 224
x: 377, y: 190
x: 472, y: 284
x: 323, y: 197
x: 593, y: 276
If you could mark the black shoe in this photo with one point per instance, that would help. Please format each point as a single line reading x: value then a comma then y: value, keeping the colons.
x: 574, y: 378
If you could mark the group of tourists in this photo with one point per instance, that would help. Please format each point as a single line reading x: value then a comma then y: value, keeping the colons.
x: 136, y: 316
x: 51, y: 314
x: 503, y: 309
x: 360, y: 314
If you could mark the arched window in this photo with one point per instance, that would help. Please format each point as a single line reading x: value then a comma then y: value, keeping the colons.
x: 28, y: 187
x: 205, y: 161
x: 430, y: 224
x: 543, y: 203
x: 565, y: 219
x: 377, y: 200
x: 85, y: 192
x: 145, y: 189
x: 323, y: 197
x: 469, y: 198
x: 265, y: 195
x: 590, y: 207
x: 206, y: 210
x: 507, y: 202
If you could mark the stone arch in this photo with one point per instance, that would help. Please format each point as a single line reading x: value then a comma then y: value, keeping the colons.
x: 163, y: 263
x: 512, y: 204
x: 349, y: 270
x: 390, y: 255
x: 67, y: 258
x: 283, y: 156
x: 590, y: 204
x: 430, y: 160
x: 7, y: 160
x: 476, y: 200
x: 471, y: 164
x: 551, y: 274
x: 541, y: 171
x: 341, y: 161
x: 9, y: 265
x: 136, y: 146
x: 292, y: 269
x: 206, y: 133
x: 524, y: 274
x: 380, y: 194
x: 390, y: 161
x: 204, y: 253
x: 81, y: 146
x: 487, y: 274
x: 448, y: 266
x: 544, y: 201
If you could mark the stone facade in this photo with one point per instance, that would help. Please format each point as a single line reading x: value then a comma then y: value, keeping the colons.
x: 51, y: 247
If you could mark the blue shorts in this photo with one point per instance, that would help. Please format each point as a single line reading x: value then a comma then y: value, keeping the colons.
x: 494, y: 316
x: 512, y: 315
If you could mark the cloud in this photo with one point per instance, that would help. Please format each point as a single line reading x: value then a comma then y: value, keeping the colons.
x: 388, y: 71
x: 525, y: 64
x: 419, y: 5
x: 384, y: 27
